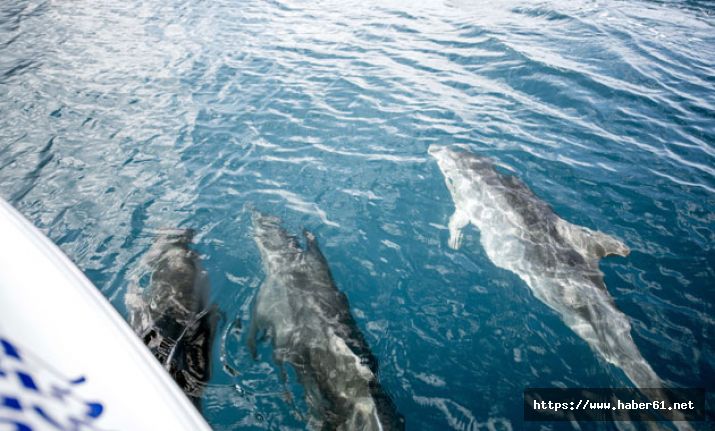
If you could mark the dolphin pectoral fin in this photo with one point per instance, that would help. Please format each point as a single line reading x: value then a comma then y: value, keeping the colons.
x: 591, y: 242
x: 457, y: 222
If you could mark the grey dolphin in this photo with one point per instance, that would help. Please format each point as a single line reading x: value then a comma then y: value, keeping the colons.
x: 172, y: 315
x: 556, y: 259
x: 309, y: 323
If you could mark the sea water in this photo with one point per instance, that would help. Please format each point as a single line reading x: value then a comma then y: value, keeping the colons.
x: 118, y: 119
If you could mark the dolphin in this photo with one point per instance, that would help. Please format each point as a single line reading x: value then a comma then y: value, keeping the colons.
x: 556, y: 259
x: 309, y: 323
x: 172, y: 315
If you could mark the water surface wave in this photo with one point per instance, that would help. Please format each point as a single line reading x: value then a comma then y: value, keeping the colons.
x: 118, y: 119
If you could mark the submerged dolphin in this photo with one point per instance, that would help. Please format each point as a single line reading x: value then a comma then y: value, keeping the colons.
x: 172, y: 315
x: 556, y: 259
x: 309, y: 323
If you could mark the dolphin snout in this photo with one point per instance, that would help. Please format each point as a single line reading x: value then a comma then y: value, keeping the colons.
x: 433, y: 149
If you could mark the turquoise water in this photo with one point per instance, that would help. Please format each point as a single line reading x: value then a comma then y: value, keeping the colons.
x: 121, y: 118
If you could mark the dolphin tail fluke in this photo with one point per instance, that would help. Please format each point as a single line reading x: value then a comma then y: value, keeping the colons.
x: 591, y: 242
x: 457, y: 222
x: 679, y: 421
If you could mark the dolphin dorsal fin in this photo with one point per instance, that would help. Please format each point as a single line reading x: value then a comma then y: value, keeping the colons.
x: 591, y: 243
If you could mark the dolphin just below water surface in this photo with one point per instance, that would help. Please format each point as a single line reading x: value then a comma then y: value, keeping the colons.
x: 309, y: 323
x: 172, y: 314
x: 556, y: 259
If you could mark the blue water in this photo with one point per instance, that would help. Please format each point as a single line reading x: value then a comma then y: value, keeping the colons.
x: 120, y: 118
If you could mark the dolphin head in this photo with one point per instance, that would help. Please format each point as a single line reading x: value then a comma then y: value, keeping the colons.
x: 176, y: 234
x: 443, y: 154
x: 457, y: 159
x: 276, y: 245
x: 447, y: 160
x: 167, y: 240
